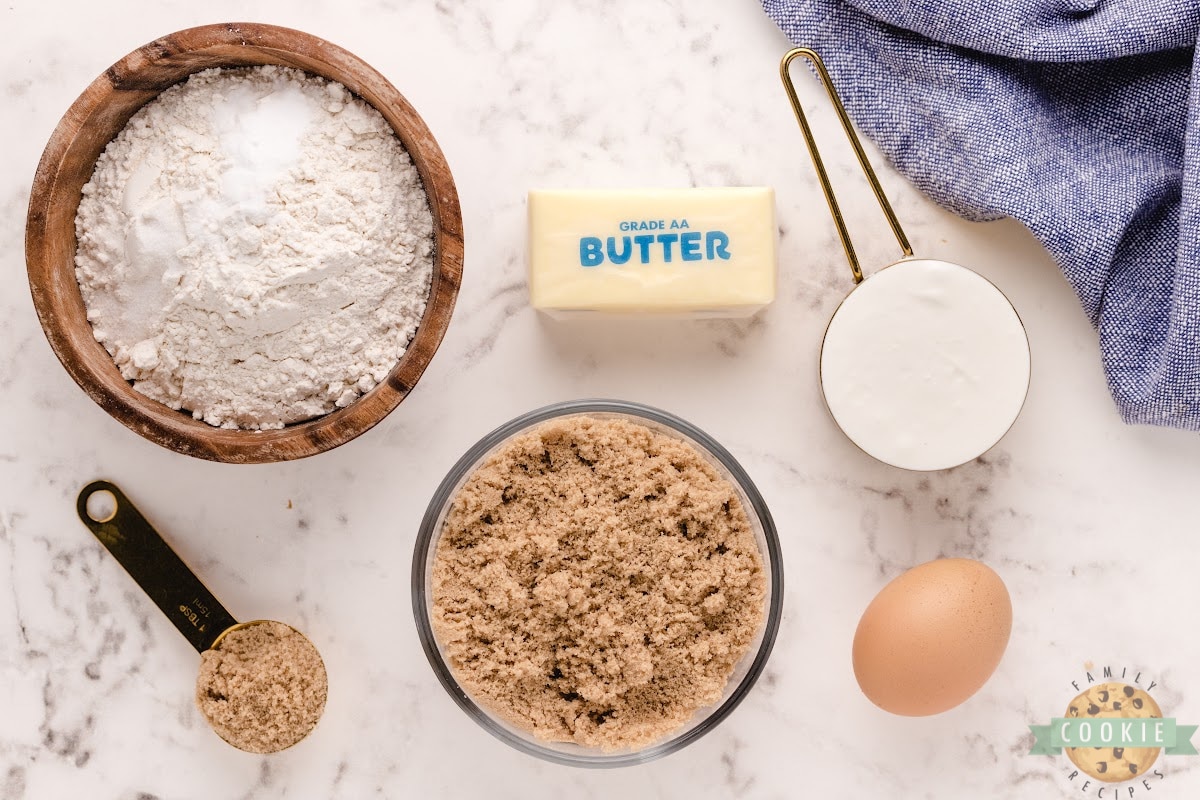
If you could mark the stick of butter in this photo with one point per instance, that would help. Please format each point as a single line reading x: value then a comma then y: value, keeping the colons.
x: 701, y: 252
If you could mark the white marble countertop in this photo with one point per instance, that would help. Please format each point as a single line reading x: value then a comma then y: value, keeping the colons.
x: 1090, y: 523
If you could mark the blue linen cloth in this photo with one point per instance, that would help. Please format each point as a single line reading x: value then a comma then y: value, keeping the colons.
x: 1080, y: 118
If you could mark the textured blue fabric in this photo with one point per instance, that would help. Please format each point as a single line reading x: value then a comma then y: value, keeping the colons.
x: 1080, y: 118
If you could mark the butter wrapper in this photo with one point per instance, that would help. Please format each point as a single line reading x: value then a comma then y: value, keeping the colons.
x: 684, y: 252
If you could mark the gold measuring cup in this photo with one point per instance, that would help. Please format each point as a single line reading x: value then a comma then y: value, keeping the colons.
x: 175, y: 589
x: 924, y: 365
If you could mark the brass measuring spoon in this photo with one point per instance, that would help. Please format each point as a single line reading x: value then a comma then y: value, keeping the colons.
x: 289, y: 666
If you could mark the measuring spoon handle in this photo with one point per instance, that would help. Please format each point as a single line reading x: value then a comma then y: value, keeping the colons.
x: 162, y: 575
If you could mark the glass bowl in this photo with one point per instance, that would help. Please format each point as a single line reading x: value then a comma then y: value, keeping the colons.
x: 746, y: 671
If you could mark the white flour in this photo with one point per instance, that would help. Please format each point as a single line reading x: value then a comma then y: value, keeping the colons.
x: 255, y: 247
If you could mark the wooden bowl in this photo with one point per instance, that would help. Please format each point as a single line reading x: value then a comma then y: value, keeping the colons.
x: 92, y: 122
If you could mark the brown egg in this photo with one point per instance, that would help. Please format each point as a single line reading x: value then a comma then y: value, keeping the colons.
x: 932, y: 637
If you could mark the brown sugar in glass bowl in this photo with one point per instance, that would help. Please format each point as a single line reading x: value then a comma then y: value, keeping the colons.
x: 99, y: 115
x: 579, y: 623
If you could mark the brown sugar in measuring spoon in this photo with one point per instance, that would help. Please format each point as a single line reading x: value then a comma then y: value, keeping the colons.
x: 262, y: 685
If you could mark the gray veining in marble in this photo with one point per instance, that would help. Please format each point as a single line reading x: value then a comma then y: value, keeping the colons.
x: 1090, y: 523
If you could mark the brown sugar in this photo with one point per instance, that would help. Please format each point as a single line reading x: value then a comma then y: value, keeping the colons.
x: 596, y: 582
x: 263, y: 689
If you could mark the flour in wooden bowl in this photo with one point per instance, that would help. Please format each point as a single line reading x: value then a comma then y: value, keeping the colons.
x: 596, y: 582
x: 255, y: 247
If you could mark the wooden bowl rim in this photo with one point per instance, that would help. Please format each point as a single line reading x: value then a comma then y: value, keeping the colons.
x: 177, y: 430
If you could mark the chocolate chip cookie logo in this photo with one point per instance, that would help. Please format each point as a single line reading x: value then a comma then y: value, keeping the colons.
x: 1113, y: 733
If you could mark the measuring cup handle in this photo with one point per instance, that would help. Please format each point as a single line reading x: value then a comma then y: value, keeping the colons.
x: 815, y: 152
x: 151, y: 562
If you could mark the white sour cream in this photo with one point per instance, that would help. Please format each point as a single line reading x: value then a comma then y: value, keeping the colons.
x: 925, y: 365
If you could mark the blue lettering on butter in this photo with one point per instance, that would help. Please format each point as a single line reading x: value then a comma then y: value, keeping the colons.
x: 643, y: 225
x: 643, y: 243
x: 590, y: 254
x: 667, y: 240
x: 717, y: 245
x: 623, y: 256
x: 693, y: 246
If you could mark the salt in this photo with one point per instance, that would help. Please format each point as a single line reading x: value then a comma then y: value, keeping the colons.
x: 260, y: 135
